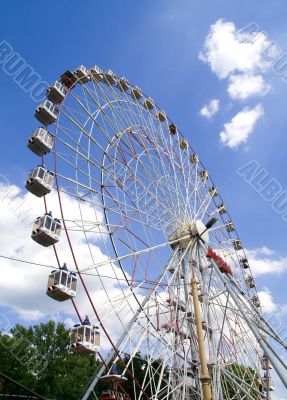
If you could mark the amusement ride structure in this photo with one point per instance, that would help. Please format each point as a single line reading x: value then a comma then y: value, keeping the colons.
x: 184, y: 293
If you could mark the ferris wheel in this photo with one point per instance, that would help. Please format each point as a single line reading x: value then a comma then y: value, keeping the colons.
x: 183, y: 303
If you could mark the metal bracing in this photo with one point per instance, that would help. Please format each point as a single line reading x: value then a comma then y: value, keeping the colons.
x: 127, y: 181
x: 126, y: 333
x: 272, y: 355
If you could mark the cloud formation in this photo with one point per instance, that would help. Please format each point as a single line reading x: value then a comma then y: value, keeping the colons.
x: 266, y: 300
x: 227, y: 51
x: 243, y: 86
x: 263, y: 261
x: 241, y: 126
x: 23, y: 286
x: 238, y: 57
x: 210, y: 109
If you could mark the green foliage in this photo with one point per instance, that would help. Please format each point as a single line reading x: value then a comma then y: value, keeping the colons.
x: 246, y: 374
x: 38, y: 357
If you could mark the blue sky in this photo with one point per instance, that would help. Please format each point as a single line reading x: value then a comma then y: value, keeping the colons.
x: 156, y: 45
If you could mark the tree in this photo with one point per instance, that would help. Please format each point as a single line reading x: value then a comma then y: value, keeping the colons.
x: 246, y: 374
x: 39, y: 358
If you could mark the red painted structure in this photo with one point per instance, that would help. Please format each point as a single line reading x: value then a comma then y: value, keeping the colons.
x: 222, y: 265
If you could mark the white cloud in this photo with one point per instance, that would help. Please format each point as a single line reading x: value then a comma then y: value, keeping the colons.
x: 243, y: 86
x: 238, y: 57
x: 266, y: 300
x: 263, y: 262
x: 241, y: 126
x: 210, y: 109
x: 227, y: 51
x: 23, y: 286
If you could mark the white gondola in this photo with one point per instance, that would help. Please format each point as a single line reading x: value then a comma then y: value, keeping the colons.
x: 123, y: 84
x: 213, y: 191
x: 205, y: 327
x: 62, y: 285
x: 41, y: 142
x: 255, y: 301
x: 56, y: 92
x: 237, y: 245
x: 85, y: 339
x: 110, y: 77
x: 179, y: 305
x: 250, y: 282
x: 194, y: 159
x: 204, y: 175
x: 244, y: 263
x: 172, y: 271
x: 190, y: 316
x: 112, y: 380
x: 148, y: 103
x: 265, y: 363
x: 268, y: 384
x: 221, y: 208
x: 82, y: 73
x: 112, y: 394
x: 136, y: 93
x: 230, y: 226
x: 40, y: 181
x: 96, y: 74
x: 201, y: 297
x: 161, y: 116
x: 68, y: 79
x: 172, y: 129
x: 46, y: 230
x: 46, y: 112
x: 183, y: 144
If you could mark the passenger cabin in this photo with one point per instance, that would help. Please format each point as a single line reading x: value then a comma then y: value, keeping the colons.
x: 148, y: 103
x: 206, y: 327
x: 68, y: 79
x: 110, y: 77
x: 46, y: 230
x: 265, y: 363
x: 213, y: 191
x: 40, y: 181
x: 122, y: 84
x: 56, y: 92
x: 244, y: 263
x: 194, y: 159
x: 85, y: 339
x: 171, y: 327
x: 250, y: 282
x: 112, y: 381
x: 190, y: 316
x: 201, y: 297
x: 255, y: 301
x: 41, y: 142
x: 172, y: 129
x: 183, y: 144
x: 96, y: 74
x: 172, y: 271
x: 237, y: 245
x: 161, y: 116
x: 82, y: 73
x: 221, y: 208
x: 62, y: 285
x: 204, y: 175
x: 46, y: 113
x: 136, y: 93
x: 229, y: 226
x: 178, y: 305
x: 268, y: 383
